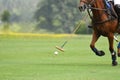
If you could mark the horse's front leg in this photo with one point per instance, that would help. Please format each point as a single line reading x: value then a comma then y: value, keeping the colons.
x: 113, y: 53
x: 95, y: 37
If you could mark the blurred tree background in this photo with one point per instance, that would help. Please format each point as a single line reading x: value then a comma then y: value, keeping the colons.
x: 42, y: 16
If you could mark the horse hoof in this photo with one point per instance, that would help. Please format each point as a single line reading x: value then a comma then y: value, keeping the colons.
x: 118, y: 54
x: 114, y: 63
x: 101, y: 53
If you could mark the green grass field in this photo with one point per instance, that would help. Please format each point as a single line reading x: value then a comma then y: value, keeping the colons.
x: 32, y: 58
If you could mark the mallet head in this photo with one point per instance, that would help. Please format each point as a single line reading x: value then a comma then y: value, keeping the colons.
x: 59, y: 48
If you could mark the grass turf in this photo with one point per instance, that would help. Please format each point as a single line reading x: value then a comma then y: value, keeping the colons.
x: 32, y: 58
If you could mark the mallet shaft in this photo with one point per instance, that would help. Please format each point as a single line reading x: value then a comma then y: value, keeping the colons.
x: 76, y: 28
x: 64, y: 44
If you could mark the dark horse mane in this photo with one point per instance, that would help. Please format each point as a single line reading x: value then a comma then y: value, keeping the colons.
x: 104, y: 24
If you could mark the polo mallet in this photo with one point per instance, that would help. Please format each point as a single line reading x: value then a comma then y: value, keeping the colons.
x: 61, y: 48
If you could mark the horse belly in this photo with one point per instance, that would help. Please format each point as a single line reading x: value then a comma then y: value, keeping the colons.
x: 104, y: 31
x: 107, y: 28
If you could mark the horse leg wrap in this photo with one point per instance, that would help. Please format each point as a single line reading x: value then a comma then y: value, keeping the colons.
x: 98, y: 53
x: 114, y: 62
x: 94, y: 50
x: 113, y: 56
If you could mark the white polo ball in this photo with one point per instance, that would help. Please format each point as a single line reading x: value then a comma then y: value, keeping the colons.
x: 55, y: 52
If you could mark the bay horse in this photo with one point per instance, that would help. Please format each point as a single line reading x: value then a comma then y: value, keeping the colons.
x: 102, y: 24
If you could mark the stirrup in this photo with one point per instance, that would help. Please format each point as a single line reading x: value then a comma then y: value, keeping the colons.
x: 90, y: 26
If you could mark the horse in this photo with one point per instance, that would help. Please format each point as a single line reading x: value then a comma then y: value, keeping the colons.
x: 103, y: 25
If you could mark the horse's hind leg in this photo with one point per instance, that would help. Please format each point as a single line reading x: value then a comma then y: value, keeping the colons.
x: 95, y: 37
x: 113, y: 53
